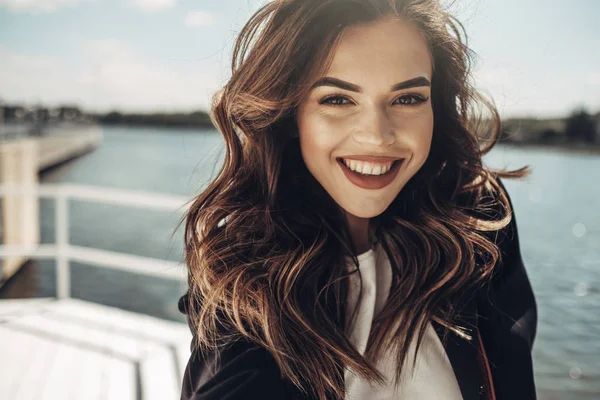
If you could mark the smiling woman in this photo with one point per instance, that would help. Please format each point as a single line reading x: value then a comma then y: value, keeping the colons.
x: 377, y: 119
x: 353, y: 245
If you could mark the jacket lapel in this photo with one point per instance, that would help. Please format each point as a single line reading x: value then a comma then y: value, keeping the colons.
x: 462, y: 353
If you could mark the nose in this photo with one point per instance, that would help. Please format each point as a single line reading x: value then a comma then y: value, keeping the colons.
x: 375, y: 129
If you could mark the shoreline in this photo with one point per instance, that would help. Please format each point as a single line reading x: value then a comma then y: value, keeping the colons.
x: 571, y: 148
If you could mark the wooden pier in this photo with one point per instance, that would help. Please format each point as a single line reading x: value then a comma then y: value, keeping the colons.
x: 66, y: 348
x: 21, y: 160
x: 73, y: 349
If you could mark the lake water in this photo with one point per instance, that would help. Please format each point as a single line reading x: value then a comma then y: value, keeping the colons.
x: 557, y: 211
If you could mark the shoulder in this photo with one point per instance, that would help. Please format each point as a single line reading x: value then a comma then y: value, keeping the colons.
x: 507, y: 316
x: 507, y: 303
x: 240, y: 370
x: 507, y: 239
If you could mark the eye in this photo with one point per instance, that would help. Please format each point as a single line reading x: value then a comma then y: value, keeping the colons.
x: 411, y: 99
x: 335, y: 100
x: 405, y: 100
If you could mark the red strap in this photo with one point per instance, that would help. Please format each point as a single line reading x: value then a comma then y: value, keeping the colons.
x: 487, y: 382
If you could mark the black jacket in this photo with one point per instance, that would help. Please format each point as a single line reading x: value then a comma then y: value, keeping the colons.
x: 507, y: 330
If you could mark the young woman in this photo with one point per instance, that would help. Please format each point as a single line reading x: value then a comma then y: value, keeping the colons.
x: 353, y: 245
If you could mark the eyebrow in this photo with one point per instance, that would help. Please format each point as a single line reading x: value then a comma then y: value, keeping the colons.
x: 335, y: 82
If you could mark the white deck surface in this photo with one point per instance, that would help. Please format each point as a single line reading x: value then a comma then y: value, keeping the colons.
x: 73, y: 349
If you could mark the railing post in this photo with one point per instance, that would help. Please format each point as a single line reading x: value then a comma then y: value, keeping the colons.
x: 20, y: 211
x: 61, y: 221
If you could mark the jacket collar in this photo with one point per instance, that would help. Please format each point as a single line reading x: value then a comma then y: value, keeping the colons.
x: 461, y: 352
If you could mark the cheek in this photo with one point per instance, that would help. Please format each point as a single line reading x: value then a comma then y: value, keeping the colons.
x: 418, y: 134
x: 423, y: 140
x: 317, y: 139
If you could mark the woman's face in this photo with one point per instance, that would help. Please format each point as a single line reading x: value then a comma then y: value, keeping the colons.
x: 372, y: 101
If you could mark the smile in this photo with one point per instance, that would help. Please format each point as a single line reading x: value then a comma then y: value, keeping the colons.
x: 368, y: 181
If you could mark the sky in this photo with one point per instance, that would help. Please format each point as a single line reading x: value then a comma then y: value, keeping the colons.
x: 535, y: 58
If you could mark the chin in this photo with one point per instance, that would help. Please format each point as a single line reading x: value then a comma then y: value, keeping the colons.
x: 365, y: 212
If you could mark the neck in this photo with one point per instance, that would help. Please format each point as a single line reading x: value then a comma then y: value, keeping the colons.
x: 359, y: 231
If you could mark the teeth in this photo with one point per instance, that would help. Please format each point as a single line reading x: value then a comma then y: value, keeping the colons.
x: 368, y: 168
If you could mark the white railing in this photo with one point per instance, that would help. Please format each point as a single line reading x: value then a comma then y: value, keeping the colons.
x: 64, y: 252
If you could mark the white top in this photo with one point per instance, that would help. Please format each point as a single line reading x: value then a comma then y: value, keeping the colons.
x: 433, y: 376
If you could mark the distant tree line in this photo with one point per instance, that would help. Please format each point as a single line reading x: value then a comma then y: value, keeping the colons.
x: 580, y: 126
x: 199, y: 119
x: 43, y: 115
x: 23, y: 114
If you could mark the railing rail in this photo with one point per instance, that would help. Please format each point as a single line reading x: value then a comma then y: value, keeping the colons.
x: 64, y: 252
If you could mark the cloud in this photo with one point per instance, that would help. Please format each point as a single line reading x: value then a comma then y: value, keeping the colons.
x: 498, y: 83
x: 28, y: 77
x: 494, y: 75
x: 109, y: 75
x: 153, y: 5
x: 45, y: 6
x: 518, y: 90
x: 37, y: 6
x: 594, y: 79
x: 115, y: 71
x: 199, y: 18
x: 28, y: 62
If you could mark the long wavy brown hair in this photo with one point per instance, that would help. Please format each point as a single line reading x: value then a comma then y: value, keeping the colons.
x: 265, y: 244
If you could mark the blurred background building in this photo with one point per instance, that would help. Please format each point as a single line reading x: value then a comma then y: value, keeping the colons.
x: 103, y: 114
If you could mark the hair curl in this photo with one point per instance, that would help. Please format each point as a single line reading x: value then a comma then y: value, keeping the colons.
x: 264, y: 242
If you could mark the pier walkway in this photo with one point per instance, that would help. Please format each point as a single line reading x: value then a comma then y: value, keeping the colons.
x: 66, y: 348
x: 73, y: 349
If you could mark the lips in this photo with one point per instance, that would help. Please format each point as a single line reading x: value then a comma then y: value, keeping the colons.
x: 371, y: 182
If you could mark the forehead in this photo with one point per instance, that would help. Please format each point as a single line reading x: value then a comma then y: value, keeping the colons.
x: 386, y: 50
